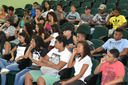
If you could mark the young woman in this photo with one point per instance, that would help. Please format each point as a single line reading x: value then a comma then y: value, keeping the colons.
x: 36, y: 52
x: 10, y: 29
x: 52, y: 19
x: 73, y: 16
x: 20, y: 61
x: 55, y: 31
x: 40, y: 31
x: 5, y: 46
x: 46, y: 8
x: 82, y: 65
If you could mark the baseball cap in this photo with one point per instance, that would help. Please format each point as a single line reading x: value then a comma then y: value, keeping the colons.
x: 102, y: 6
x: 68, y: 28
x: 88, y: 7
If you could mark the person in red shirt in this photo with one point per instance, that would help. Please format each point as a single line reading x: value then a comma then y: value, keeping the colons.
x: 112, y: 70
x: 3, y: 14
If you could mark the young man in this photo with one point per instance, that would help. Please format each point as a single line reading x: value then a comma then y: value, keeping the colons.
x: 33, y: 11
x: 59, y: 51
x: 117, y: 42
x: 85, y: 18
x: 118, y: 21
x: 60, y: 13
x: 71, y: 39
x: 112, y: 70
x: 11, y: 15
x: 81, y: 36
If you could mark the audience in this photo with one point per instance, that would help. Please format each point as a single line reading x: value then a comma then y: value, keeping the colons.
x: 46, y: 8
x: 118, y: 21
x: 3, y: 14
x: 112, y: 70
x: 82, y: 65
x: 116, y: 42
x: 57, y: 59
x: 85, y: 18
x: 11, y: 15
x: 33, y: 11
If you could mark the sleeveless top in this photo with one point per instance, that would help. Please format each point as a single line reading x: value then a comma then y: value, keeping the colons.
x: 70, y: 41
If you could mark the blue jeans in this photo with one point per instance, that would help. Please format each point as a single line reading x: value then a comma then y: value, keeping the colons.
x: 9, y: 66
x: 20, y: 77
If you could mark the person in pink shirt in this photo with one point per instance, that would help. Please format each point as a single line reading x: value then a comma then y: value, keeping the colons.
x: 113, y: 71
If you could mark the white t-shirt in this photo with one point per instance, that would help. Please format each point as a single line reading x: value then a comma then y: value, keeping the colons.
x: 64, y: 55
x: 46, y: 12
x: 78, y: 66
x: 10, y: 30
x: 54, y: 35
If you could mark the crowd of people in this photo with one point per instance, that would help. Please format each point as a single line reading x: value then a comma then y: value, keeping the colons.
x: 39, y: 39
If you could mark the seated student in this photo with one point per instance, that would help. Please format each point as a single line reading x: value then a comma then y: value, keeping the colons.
x: 36, y: 51
x: 33, y: 11
x: 81, y: 36
x: 118, y: 21
x: 116, y: 42
x: 20, y: 62
x: 10, y: 29
x: 11, y: 15
x: 100, y: 19
x: 82, y: 65
x: 73, y: 16
x: 5, y: 46
x: 46, y: 8
x: 3, y: 14
x: 64, y: 56
x: 51, y: 19
x: 38, y: 18
x: 71, y: 39
x: 39, y: 30
x: 85, y: 18
x: 60, y: 13
x: 55, y: 31
x: 24, y: 19
x: 112, y: 70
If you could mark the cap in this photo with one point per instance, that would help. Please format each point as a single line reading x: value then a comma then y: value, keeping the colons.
x: 68, y: 28
x: 88, y: 7
x: 102, y: 6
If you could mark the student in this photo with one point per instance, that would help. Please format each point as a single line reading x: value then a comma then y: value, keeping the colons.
x: 116, y: 42
x: 55, y: 31
x: 82, y: 65
x: 40, y: 31
x: 33, y: 11
x: 11, y: 15
x: 85, y: 18
x: 5, y: 46
x: 10, y: 29
x: 51, y: 19
x: 73, y: 16
x: 64, y: 56
x: 36, y: 52
x: 38, y: 18
x: 118, y: 21
x: 71, y: 39
x: 46, y: 8
x: 60, y: 13
x: 20, y: 62
x: 3, y: 14
x: 24, y: 19
x: 81, y: 36
x: 112, y: 70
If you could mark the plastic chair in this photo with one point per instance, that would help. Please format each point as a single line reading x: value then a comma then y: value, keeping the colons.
x: 67, y: 9
x: 85, y: 28
x: 44, y: 2
x: 28, y: 6
x: 84, y: 4
x: 108, y: 11
x: 123, y: 2
x: 55, y: 8
x: 76, y: 3
x: 65, y: 3
x: 92, y: 1
x: 94, y: 11
x: 99, y: 32
x: 125, y: 13
x: 80, y: 10
x: 123, y: 7
x: 111, y: 1
x: 96, y: 5
x: 19, y: 12
x: 97, y: 43
x: 110, y: 5
x: 66, y: 24
x: 53, y: 3
x: 100, y: 1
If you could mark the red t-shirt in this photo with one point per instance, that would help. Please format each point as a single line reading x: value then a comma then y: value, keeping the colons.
x: 111, y: 71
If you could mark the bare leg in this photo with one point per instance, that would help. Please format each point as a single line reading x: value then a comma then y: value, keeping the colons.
x: 40, y: 81
x: 28, y: 79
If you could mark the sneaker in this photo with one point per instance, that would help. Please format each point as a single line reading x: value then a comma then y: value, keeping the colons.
x: 4, y: 71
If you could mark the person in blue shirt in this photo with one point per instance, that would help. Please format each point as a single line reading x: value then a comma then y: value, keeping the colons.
x: 33, y: 11
x: 115, y: 43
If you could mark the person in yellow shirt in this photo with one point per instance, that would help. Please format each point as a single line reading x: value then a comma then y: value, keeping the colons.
x: 118, y: 21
